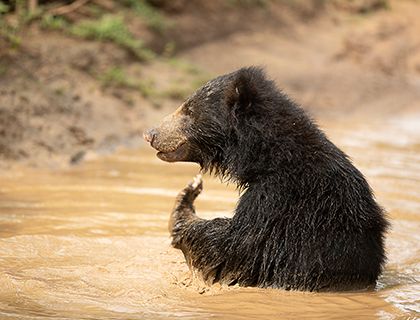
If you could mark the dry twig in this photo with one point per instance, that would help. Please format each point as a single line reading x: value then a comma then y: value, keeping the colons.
x: 68, y: 8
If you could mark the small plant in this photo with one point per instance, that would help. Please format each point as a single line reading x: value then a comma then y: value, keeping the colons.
x: 4, y: 8
x: 95, y: 10
x: 3, y: 69
x: 148, y: 89
x: 53, y: 23
x: 7, y: 31
x: 112, y: 28
x: 184, y: 66
x: 194, y: 77
x: 182, y: 89
x: 116, y: 77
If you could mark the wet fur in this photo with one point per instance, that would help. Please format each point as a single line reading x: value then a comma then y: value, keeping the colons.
x: 306, y: 219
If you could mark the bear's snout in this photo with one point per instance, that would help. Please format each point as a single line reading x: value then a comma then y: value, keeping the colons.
x: 150, y: 135
x: 169, y: 138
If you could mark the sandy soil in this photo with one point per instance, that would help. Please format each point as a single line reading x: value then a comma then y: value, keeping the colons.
x: 359, y: 63
x: 54, y: 108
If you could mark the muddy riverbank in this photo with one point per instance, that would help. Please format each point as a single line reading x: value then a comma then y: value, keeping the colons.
x: 62, y: 96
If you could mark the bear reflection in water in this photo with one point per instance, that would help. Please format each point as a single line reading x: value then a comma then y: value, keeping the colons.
x: 307, y: 218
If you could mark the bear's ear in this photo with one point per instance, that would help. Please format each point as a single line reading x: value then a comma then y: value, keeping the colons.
x: 243, y: 90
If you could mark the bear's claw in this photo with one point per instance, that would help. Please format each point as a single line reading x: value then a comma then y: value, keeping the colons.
x: 191, y: 191
x: 195, y: 187
x: 197, y: 182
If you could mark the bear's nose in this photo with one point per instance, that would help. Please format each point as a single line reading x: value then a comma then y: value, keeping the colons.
x: 150, y: 135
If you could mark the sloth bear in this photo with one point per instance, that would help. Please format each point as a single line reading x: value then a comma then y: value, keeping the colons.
x: 306, y: 219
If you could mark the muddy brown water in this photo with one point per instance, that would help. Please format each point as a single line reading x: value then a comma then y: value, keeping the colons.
x: 91, y: 242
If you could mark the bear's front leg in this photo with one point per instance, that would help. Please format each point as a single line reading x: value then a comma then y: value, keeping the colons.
x: 184, y: 212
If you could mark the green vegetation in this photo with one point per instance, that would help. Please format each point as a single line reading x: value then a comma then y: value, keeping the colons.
x: 100, y: 27
x: 105, y: 26
x: 111, y: 28
x: 198, y: 78
x: 10, y: 34
x: 95, y: 10
x: 53, y: 23
x: 153, y: 18
x: 259, y: 3
x: 8, y: 31
x: 4, y: 8
x: 3, y: 69
x: 115, y: 77
x: 148, y: 89
x: 184, y: 66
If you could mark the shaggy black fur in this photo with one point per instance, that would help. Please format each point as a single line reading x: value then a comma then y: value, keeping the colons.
x: 306, y: 220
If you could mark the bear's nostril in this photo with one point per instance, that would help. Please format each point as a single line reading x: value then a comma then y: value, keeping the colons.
x: 150, y: 135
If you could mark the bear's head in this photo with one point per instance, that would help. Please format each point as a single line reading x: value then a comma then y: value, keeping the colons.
x: 228, y: 120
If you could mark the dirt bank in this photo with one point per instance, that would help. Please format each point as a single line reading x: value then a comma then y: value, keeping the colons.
x: 62, y: 97
x: 366, y: 63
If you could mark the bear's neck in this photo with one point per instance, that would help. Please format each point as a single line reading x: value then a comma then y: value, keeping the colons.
x: 259, y: 152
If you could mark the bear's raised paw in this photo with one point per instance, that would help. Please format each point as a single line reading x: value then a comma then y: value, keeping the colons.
x: 191, y: 191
